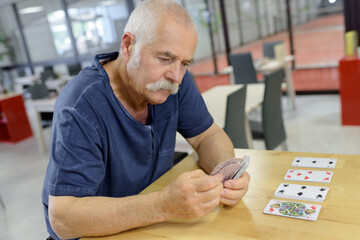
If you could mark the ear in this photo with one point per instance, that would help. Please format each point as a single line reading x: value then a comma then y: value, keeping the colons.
x: 127, y: 45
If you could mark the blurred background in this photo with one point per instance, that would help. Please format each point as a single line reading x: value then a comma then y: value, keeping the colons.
x: 44, y: 43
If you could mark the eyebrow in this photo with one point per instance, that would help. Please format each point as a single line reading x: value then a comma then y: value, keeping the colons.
x: 170, y: 55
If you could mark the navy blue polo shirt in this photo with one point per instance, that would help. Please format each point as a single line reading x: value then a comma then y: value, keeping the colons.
x: 98, y: 149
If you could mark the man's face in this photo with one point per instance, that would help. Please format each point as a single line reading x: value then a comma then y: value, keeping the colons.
x: 163, y: 63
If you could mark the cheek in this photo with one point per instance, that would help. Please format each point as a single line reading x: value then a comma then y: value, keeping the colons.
x: 154, y: 72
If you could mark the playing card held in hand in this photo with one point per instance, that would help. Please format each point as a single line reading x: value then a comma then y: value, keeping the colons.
x: 232, y: 168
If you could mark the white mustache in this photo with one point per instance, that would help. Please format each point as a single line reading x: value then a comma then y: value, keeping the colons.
x: 163, y: 84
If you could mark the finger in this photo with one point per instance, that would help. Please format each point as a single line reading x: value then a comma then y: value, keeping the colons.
x: 207, y: 183
x: 194, y: 174
x: 210, y: 195
x: 197, y: 173
x: 229, y: 202
x: 210, y: 205
x: 236, y: 194
x: 239, y: 183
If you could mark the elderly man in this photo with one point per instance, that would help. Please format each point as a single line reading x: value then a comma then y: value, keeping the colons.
x: 114, y: 134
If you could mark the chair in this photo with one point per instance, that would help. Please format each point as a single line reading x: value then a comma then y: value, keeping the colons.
x: 38, y: 91
x: 46, y: 119
x: 48, y: 73
x: 235, y: 118
x: 271, y: 127
x: 178, y: 156
x: 268, y: 48
x: 243, y: 68
x: 74, y: 69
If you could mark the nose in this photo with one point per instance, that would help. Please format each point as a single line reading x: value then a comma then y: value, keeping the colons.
x: 174, y: 72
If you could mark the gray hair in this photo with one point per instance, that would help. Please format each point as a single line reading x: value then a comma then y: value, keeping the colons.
x: 144, y: 20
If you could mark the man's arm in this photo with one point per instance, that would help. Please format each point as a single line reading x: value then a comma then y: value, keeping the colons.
x: 213, y: 147
x: 192, y: 194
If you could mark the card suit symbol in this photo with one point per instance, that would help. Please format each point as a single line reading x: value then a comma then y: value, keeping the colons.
x: 331, y: 162
x: 288, y: 176
x: 328, y: 173
x: 286, y: 185
x: 299, y: 193
x: 303, y: 187
x: 322, y: 189
x: 298, y: 174
x: 291, y: 170
x: 271, y: 210
x: 309, y: 172
x: 326, y: 179
x: 281, y: 191
x: 297, y: 161
x: 313, y: 207
x: 313, y: 161
x: 319, y: 196
x: 306, y: 177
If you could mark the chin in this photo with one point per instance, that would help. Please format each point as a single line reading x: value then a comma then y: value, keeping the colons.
x: 159, y: 97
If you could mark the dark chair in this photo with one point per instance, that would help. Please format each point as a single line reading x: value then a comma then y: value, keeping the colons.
x: 46, y: 119
x: 74, y: 69
x: 235, y: 118
x: 21, y: 72
x: 48, y: 73
x: 38, y: 91
x: 243, y: 68
x: 271, y: 128
x: 268, y: 49
x: 178, y: 156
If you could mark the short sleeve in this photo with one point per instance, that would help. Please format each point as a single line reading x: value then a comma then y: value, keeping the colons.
x: 194, y: 117
x: 76, y: 165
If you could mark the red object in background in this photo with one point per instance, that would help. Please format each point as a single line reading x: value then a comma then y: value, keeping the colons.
x: 14, y: 123
x: 349, y: 71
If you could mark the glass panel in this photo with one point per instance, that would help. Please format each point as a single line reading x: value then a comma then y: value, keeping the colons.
x: 281, y: 22
x: 318, y: 33
x: 97, y: 25
x: 248, y: 19
x: 11, y: 47
x: 218, y: 32
x: 232, y: 18
x: 45, y: 30
x: 197, y: 10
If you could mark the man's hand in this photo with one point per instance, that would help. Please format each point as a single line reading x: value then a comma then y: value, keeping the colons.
x: 191, y: 195
x: 235, y: 189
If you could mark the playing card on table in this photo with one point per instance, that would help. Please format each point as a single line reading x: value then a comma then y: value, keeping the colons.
x: 293, y: 209
x: 302, y: 192
x: 314, y: 162
x: 231, y: 168
x: 308, y: 176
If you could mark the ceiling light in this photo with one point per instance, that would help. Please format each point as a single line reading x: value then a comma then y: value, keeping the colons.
x: 332, y: 1
x: 107, y: 2
x: 31, y: 10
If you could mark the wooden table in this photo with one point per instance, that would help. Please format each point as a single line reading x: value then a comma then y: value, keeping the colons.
x: 215, y: 100
x: 339, y: 217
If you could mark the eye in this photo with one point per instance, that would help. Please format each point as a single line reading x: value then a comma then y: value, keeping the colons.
x: 185, y: 64
x: 165, y: 60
